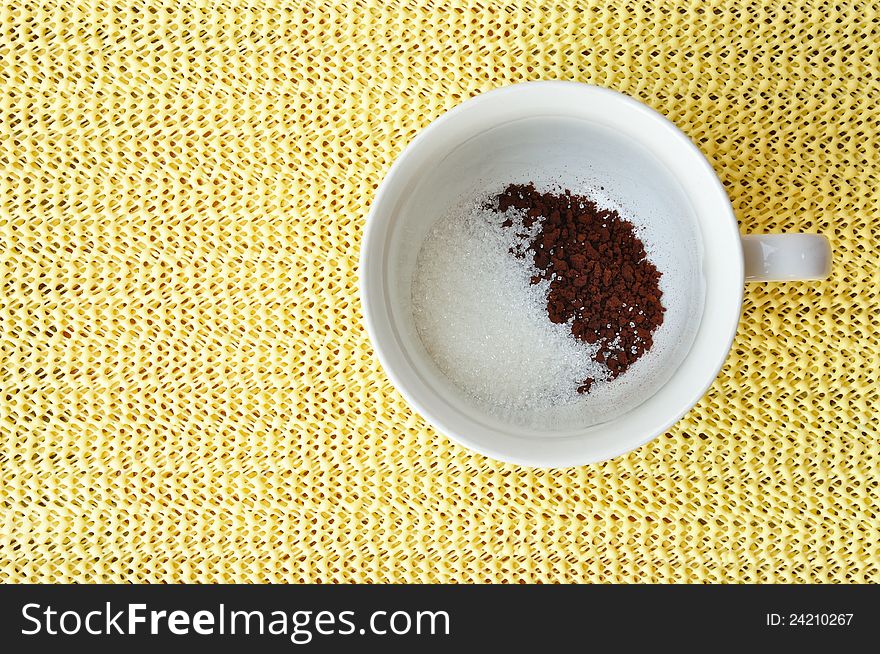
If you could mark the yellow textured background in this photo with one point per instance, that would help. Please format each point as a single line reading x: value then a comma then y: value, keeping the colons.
x: 188, y: 393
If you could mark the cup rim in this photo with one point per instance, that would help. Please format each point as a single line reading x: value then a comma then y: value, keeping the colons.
x: 538, y: 457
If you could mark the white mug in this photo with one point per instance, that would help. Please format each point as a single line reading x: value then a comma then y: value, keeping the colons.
x: 491, y: 136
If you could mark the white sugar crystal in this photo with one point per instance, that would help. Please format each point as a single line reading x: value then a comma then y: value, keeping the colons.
x: 486, y: 326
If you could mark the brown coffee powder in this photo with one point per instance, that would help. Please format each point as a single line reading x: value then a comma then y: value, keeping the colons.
x: 600, y: 278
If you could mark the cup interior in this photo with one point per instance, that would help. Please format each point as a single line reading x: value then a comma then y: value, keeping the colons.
x: 585, y: 158
x: 579, y: 138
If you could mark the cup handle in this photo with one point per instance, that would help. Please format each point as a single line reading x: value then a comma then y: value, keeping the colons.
x: 786, y: 257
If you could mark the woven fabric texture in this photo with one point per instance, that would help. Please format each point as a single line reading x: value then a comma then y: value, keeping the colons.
x: 188, y: 393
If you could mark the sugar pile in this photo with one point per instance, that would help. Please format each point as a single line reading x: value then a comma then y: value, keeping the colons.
x: 486, y: 326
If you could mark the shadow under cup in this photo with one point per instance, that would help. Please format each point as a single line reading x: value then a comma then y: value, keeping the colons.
x: 457, y: 160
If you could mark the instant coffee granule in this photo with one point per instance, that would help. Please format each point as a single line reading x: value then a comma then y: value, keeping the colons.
x: 600, y: 280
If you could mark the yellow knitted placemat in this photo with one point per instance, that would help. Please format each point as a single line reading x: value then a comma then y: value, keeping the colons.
x: 188, y: 393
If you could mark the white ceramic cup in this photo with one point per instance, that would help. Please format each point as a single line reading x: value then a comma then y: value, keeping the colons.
x: 510, y: 134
